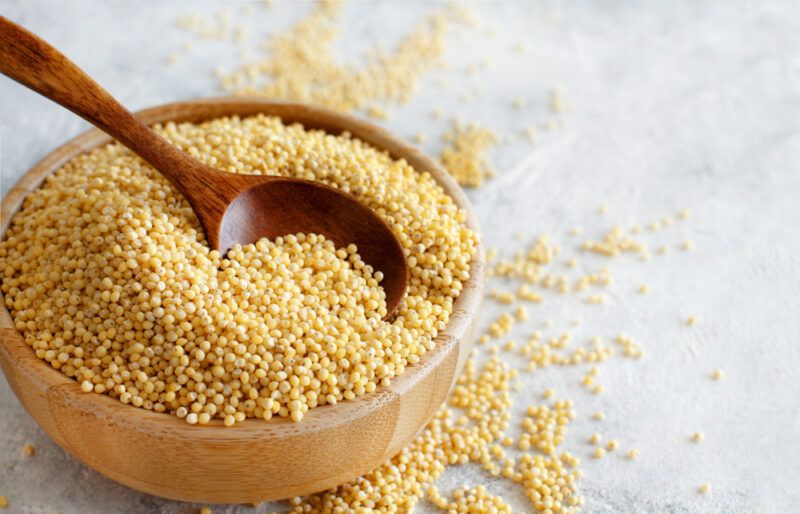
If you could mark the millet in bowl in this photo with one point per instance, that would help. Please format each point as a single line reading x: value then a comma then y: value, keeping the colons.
x: 107, y: 275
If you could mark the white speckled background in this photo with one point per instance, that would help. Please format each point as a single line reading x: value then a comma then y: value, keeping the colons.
x: 676, y: 104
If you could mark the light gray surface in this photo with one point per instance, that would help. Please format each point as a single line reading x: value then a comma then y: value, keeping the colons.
x: 676, y: 104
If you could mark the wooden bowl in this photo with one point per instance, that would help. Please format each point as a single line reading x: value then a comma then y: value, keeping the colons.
x: 255, y: 460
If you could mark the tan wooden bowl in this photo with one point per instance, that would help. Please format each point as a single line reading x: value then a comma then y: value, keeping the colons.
x: 255, y: 460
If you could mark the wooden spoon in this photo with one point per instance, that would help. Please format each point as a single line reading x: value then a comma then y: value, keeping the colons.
x: 233, y: 209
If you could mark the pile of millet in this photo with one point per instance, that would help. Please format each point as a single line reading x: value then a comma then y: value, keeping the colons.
x: 108, y: 276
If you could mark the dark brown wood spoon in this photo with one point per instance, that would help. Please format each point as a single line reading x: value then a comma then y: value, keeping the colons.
x: 233, y: 209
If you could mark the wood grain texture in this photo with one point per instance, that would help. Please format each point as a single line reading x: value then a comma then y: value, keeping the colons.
x: 255, y: 460
x: 232, y: 209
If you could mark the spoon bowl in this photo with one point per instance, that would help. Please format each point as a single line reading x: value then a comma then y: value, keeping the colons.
x: 261, y: 210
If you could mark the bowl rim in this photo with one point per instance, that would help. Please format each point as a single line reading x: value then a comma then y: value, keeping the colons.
x: 320, y: 418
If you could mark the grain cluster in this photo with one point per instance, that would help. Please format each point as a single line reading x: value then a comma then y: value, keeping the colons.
x: 108, y: 276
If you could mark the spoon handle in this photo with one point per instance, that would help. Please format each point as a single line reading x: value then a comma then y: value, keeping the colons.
x: 33, y: 62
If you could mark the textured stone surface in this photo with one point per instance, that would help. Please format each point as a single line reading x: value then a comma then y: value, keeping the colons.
x: 677, y: 104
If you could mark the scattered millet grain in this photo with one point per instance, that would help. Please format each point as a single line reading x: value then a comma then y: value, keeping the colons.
x: 503, y: 297
x: 698, y: 437
x: 302, y: 65
x: 464, y: 154
x: 3, y: 502
x: 216, y: 28
x: 599, y: 452
x: 469, y: 500
x: 205, y: 510
x: 630, y: 348
x: 29, y: 450
x: 614, y: 242
x: 595, y: 439
x: 465, y: 430
x: 633, y: 454
x: 704, y: 488
x: 545, y: 426
x: 373, y: 111
x: 598, y: 416
x: 692, y: 320
x: 717, y: 374
x: 644, y: 288
x: 107, y: 276
x: 612, y: 445
x: 526, y: 293
x: 687, y: 245
x: 557, y: 100
x: 501, y: 326
x: 596, y: 299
